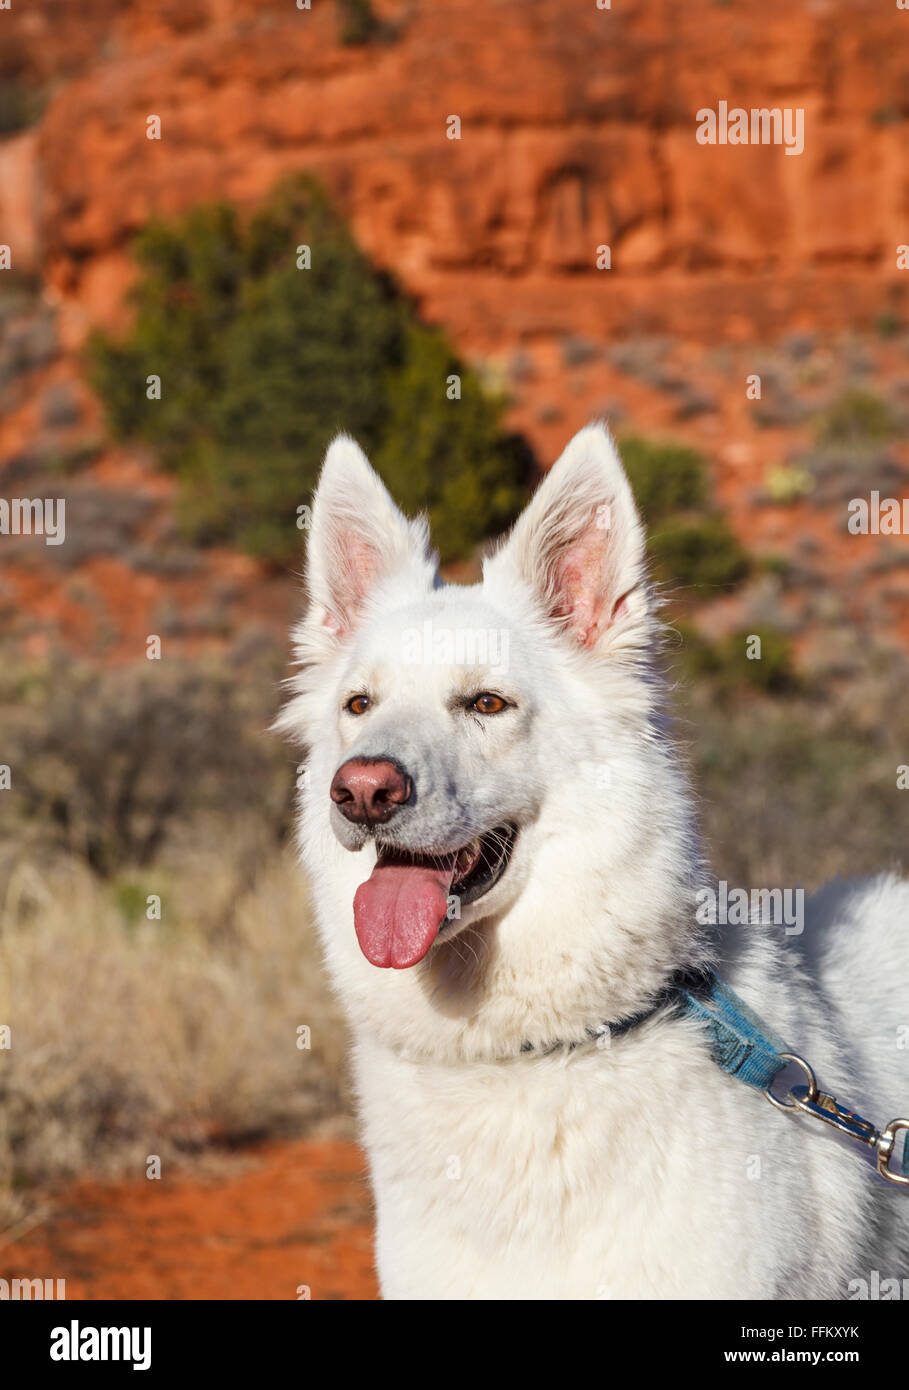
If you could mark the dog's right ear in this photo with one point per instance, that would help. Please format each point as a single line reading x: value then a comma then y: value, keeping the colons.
x: 358, y: 540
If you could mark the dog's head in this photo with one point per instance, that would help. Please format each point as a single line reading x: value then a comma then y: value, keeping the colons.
x: 483, y: 760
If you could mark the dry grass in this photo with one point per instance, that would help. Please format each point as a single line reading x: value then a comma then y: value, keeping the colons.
x: 133, y: 1037
x: 799, y: 790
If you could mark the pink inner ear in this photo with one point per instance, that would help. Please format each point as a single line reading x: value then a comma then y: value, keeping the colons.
x: 580, y: 585
x: 356, y: 569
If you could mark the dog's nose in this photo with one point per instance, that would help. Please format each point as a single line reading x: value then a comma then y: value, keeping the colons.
x: 369, y: 793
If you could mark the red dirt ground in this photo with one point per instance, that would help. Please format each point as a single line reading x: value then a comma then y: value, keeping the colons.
x: 297, y: 1214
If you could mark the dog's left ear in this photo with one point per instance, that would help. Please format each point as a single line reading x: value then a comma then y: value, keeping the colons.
x: 579, y: 545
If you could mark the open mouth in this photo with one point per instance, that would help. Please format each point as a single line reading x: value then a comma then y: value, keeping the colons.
x: 403, y: 905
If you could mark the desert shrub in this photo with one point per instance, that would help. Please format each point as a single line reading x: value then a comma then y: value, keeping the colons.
x: 852, y: 448
x: 577, y: 351
x: 700, y: 554
x: 107, y: 765
x: 450, y: 456
x: 889, y: 323
x: 664, y: 477
x: 857, y: 416
x: 780, y: 783
x: 644, y: 357
x: 359, y: 23
x: 786, y: 484
x: 21, y: 103
x: 778, y: 405
x: 724, y: 667
x: 690, y: 544
x: 28, y: 339
x: 692, y: 401
x: 799, y: 346
x: 262, y: 362
x: 840, y: 471
x: 784, y: 761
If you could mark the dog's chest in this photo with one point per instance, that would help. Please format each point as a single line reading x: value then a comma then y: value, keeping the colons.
x: 555, y: 1178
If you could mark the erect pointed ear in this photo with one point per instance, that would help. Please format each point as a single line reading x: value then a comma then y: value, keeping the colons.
x: 579, y: 546
x: 358, y: 540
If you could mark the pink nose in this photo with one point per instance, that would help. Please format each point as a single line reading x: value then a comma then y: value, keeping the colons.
x: 369, y: 792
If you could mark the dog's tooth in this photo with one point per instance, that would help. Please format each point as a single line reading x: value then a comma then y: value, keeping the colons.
x: 468, y: 854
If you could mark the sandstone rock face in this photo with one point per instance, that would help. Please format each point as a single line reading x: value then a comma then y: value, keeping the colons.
x: 19, y: 216
x: 577, y: 130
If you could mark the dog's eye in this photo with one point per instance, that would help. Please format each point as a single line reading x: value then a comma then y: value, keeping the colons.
x: 357, y: 704
x: 487, y: 703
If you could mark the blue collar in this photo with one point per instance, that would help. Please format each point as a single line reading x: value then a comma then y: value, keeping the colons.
x: 743, y: 1046
x: 740, y: 1043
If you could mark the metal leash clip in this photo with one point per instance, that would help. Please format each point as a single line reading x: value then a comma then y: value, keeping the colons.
x: 816, y: 1102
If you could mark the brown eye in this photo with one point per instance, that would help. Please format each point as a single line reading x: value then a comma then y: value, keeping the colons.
x: 358, y: 704
x: 486, y: 703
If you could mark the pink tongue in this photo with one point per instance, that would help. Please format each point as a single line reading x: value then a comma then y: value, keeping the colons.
x: 398, y: 911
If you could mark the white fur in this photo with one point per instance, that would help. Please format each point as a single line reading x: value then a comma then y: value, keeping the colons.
x: 636, y: 1170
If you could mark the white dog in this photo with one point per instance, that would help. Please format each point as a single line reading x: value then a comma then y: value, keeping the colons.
x: 492, y: 810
